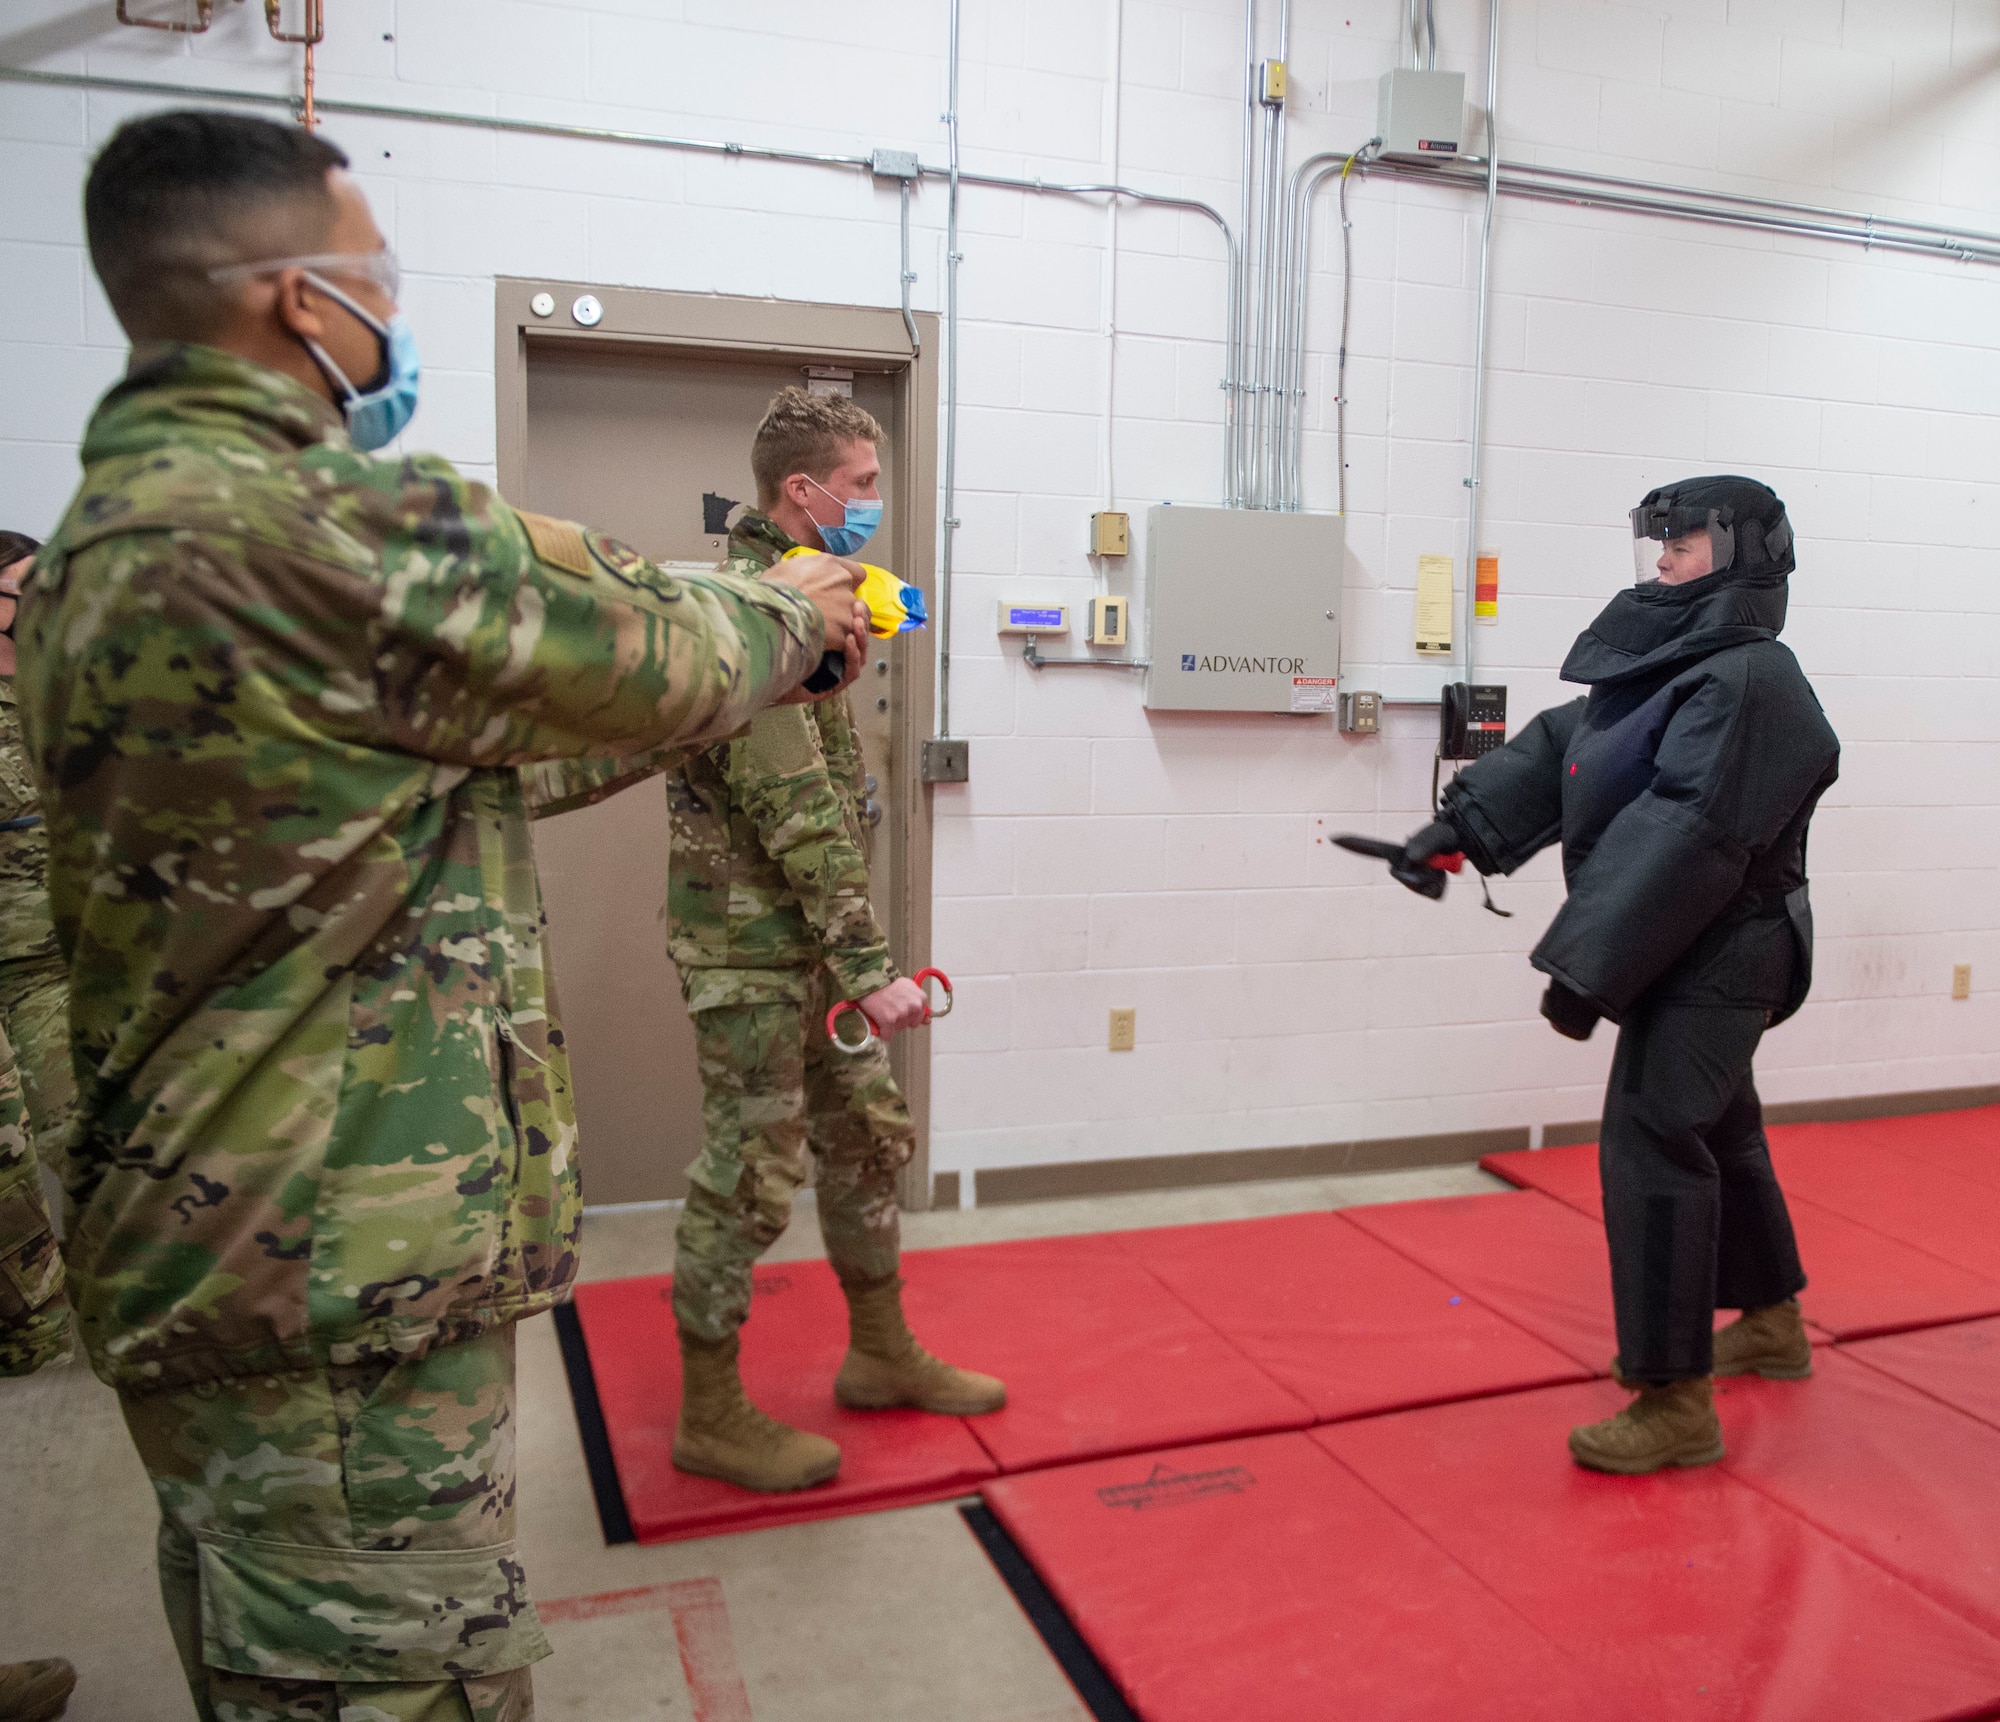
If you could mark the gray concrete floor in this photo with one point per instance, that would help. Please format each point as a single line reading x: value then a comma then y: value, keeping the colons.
x: 882, y: 1617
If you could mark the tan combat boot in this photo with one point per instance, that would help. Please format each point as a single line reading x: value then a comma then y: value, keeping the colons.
x: 1771, y: 1342
x: 721, y: 1434
x: 1670, y: 1425
x: 885, y: 1365
x: 35, y: 1691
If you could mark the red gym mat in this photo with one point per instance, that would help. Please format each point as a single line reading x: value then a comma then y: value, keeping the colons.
x: 1887, y: 1470
x: 1684, y: 1594
x: 1098, y: 1356
x: 1538, y: 1263
x: 1341, y: 1319
x: 1959, y: 1365
x: 1967, y: 1143
x: 792, y: 1346
x: 1918, y: 1204
x: 1862, y: 1280
x: 1568, y: 1173
x: 1258, y: 1581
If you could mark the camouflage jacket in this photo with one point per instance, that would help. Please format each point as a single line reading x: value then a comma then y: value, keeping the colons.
x: 769, y: 873
x: 25, y: 930
x: 275, y: 693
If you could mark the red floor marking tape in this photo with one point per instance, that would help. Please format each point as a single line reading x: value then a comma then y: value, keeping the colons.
x: 792, y: 1347
x: 1684, y: 1594
x: 1959, y: 1365
x: 1341, y: 1319
x: 708, y: 1651
x: 1540, y: 1264
x: 1881, y: 1467
x: 641, y: 1599
x: 1258, y: 1581
x: 1098, y: 1356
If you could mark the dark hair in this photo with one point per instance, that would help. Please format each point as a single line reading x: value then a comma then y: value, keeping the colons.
x: 174, y: 195
x: 15, y: 545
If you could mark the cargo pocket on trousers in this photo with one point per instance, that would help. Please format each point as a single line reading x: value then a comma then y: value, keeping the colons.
x: 30, y: 1264
x: 290, y: 1611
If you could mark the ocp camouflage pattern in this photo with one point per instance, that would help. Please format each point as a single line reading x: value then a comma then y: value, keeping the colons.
x: 347, y: 1533
x: 776, y: 1099
x: 36, y: 1092
x: 769, y: 871
x: 276, y: 693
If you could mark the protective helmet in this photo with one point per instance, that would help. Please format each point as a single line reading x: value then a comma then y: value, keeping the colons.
x: 1743, y: 520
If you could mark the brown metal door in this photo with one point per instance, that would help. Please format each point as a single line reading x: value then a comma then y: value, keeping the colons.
x: 628, y: 439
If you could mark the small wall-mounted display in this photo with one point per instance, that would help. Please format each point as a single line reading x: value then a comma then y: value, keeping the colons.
x: 1033, y: 618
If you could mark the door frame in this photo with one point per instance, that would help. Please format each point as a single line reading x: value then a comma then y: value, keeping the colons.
x: 859, y: 337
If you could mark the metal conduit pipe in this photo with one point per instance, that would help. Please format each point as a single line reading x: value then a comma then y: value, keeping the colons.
x: 1718, y: 209
x: 1235, y: 378
x: 1477, y: 460
x: 948, y: 512
x: 909, y: 275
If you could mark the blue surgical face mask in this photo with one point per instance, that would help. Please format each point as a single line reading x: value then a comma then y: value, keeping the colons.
x: 857, y: 526
x: 377, y: 416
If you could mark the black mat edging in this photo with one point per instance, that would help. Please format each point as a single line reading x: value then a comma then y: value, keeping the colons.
x: 604, y: 1485
x: 1066, y: 1645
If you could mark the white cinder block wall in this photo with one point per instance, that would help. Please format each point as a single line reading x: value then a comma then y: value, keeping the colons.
x: 1286, y: 993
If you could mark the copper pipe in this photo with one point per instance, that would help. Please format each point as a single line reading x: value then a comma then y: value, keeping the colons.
x: 204, y: 12
x: 308, y: 38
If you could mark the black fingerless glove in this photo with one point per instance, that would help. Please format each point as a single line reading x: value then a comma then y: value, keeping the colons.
x: 1569, y: 1013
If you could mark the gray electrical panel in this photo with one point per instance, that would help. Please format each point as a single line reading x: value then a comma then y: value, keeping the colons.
x: 1420, y: 114
x: 1242, y: 610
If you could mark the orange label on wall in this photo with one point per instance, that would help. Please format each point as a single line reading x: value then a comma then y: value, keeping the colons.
x: 1486, y: 587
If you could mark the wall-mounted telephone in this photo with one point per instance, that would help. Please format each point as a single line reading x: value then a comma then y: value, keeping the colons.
x: 1472, y: 719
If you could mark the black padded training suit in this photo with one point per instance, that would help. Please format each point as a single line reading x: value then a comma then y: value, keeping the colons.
x: 1680, y: 789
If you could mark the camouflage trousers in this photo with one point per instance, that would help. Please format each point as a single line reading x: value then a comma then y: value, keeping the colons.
x: 34, y: 1318
x: 340, y: 1546
x: 774, y: 1091
x: 34, y: 1013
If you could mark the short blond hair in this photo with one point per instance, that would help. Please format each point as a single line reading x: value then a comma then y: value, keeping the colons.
x: 806, y: 433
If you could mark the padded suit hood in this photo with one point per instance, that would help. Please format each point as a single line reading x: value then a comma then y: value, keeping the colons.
x: 1648, y: 628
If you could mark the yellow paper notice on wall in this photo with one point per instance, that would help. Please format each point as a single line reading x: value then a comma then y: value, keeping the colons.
x: 1486, y: 587
x: 1434, y: 603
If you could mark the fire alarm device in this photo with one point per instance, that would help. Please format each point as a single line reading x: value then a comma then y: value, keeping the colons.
x: 1472, y: 719
x: 1033, y: 618
x: 1110, y: 534
x: 1107, y: 621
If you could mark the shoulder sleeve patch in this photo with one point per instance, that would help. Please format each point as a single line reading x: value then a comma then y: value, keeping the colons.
x: 559, y: 543
x: 624, y: 563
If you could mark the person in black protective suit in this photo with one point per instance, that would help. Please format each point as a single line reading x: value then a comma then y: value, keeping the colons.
x: 1680, y: 789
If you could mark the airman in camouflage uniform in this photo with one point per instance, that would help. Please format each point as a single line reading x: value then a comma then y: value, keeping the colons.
x: 37, y: 1094
x: 279, y: 695
x: 770, y: 925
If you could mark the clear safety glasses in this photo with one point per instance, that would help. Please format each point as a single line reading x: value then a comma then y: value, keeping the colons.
x: 380, y: 267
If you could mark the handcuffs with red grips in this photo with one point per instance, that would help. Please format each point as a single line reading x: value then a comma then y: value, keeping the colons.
x: 875, y: 1036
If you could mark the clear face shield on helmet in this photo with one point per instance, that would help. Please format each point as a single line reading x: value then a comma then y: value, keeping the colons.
x: 1677, y: 545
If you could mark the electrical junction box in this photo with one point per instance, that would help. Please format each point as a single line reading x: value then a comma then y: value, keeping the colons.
x: 1033, y: 618
x: 1242, y: 609
x: 1108, y: 617
x: 1420, y: 115
x: 1361, y: 713
x: 1110, y: 533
